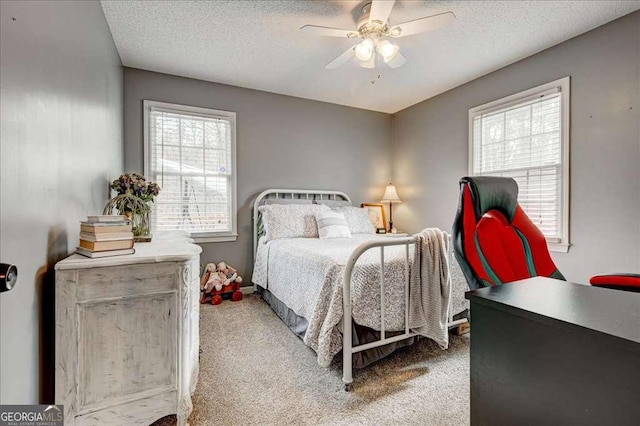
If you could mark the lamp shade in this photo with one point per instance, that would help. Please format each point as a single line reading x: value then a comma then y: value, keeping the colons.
x: 390, y: 195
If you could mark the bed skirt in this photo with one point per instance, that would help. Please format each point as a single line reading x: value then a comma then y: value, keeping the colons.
x: 361, y: 335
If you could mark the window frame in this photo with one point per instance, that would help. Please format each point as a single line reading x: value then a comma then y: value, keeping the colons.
x: 562, y: 85
x: 198, y: 236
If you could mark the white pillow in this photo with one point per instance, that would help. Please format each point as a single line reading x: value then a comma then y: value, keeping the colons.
x: 357, y: 219
x: 332, y: 225
x: 290, y: 220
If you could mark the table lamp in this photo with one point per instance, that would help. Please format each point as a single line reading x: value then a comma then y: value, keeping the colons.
x: 390, y: 196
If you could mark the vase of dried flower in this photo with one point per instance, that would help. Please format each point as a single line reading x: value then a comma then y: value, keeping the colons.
x: 140, y: 222
x: 134, y: 198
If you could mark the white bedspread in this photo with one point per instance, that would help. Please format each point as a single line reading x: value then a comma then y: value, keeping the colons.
x: 307, y: 275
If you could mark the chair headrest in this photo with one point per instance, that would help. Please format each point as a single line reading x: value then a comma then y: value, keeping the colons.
x: 493, y: 193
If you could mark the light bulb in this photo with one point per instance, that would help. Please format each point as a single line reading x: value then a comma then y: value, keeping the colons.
x: 387, y: 50
x: 364, y: 51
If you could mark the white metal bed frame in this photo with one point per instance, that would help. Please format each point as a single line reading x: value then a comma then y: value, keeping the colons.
x: 347, y: 338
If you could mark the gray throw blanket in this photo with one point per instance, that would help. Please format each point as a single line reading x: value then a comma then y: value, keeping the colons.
x: 430, y: 287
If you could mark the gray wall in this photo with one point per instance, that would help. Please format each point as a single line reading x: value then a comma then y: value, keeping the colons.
x: 61, y: 112
x: 430, y: 145
x: 282, y: 142
x: 62, y: 109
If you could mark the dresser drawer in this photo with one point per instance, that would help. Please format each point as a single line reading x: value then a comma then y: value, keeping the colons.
x: 122, y: 281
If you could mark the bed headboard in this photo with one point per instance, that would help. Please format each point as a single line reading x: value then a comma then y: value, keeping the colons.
x: 290, y: 194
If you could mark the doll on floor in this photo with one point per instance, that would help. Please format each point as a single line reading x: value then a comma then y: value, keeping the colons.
x: 219, y: 282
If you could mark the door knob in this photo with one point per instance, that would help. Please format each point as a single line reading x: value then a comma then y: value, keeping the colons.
x: 8, y: 276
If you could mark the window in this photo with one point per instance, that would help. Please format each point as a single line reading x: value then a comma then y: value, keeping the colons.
x: 190, y: 152
x: 526, y: 137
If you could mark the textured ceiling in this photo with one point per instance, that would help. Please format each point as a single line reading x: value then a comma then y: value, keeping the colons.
x: 256, y: 44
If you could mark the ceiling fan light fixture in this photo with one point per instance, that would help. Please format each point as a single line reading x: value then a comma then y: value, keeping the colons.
x: 387, y: 50
x: 365, y: 50
x: 377, y: 35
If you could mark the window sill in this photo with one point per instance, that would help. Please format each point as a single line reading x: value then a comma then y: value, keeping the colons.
x: 214, y: 238
x: 559, y: 247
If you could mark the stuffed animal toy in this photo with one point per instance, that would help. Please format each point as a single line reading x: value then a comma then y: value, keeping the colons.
x: 230, y: 274
x: 218, y: 282
x: 214, y: 279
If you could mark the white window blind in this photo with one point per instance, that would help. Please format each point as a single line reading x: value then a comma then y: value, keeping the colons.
x: 524, y: 137
x: 191, y: 155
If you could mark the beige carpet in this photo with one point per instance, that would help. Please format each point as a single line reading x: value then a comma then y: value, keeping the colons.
x: 254, y: 371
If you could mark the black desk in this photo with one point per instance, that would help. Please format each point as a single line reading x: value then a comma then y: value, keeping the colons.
x: 545, y: 351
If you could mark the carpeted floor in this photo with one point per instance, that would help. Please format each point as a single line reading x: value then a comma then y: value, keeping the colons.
x: 254, y: 371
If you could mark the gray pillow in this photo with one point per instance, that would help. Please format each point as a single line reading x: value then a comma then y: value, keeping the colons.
x: 357, y: 219
x: 272, y: 201
x: 333, y: 203
x: 276, y: 201
x: 290, y: 220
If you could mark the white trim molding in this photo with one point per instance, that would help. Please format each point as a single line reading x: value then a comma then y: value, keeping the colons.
x: 148, y: 105
x: 563, y: 87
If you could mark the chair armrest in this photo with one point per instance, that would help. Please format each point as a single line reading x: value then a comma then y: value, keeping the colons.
x: 621, y: 281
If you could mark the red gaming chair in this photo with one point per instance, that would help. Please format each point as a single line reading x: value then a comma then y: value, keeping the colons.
x: 495, y: 242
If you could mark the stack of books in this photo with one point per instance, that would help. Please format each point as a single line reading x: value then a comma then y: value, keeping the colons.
x: 104, y: 236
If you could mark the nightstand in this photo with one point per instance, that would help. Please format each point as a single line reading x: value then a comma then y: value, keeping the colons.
x: 397, y: 234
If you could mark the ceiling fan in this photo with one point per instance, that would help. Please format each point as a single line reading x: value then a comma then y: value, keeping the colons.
x: 374, y: 29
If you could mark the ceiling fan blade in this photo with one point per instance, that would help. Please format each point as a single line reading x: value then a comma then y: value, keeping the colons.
x: 397, y: 61
x: 380, y: 10
x: 421, y: 25
x: 328, y: 31
x: 348, y: 54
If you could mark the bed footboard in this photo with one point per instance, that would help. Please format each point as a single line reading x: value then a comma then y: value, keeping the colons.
x: 347, y: 337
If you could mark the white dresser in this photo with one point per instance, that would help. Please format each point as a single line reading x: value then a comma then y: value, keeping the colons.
x: 127, y: 335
